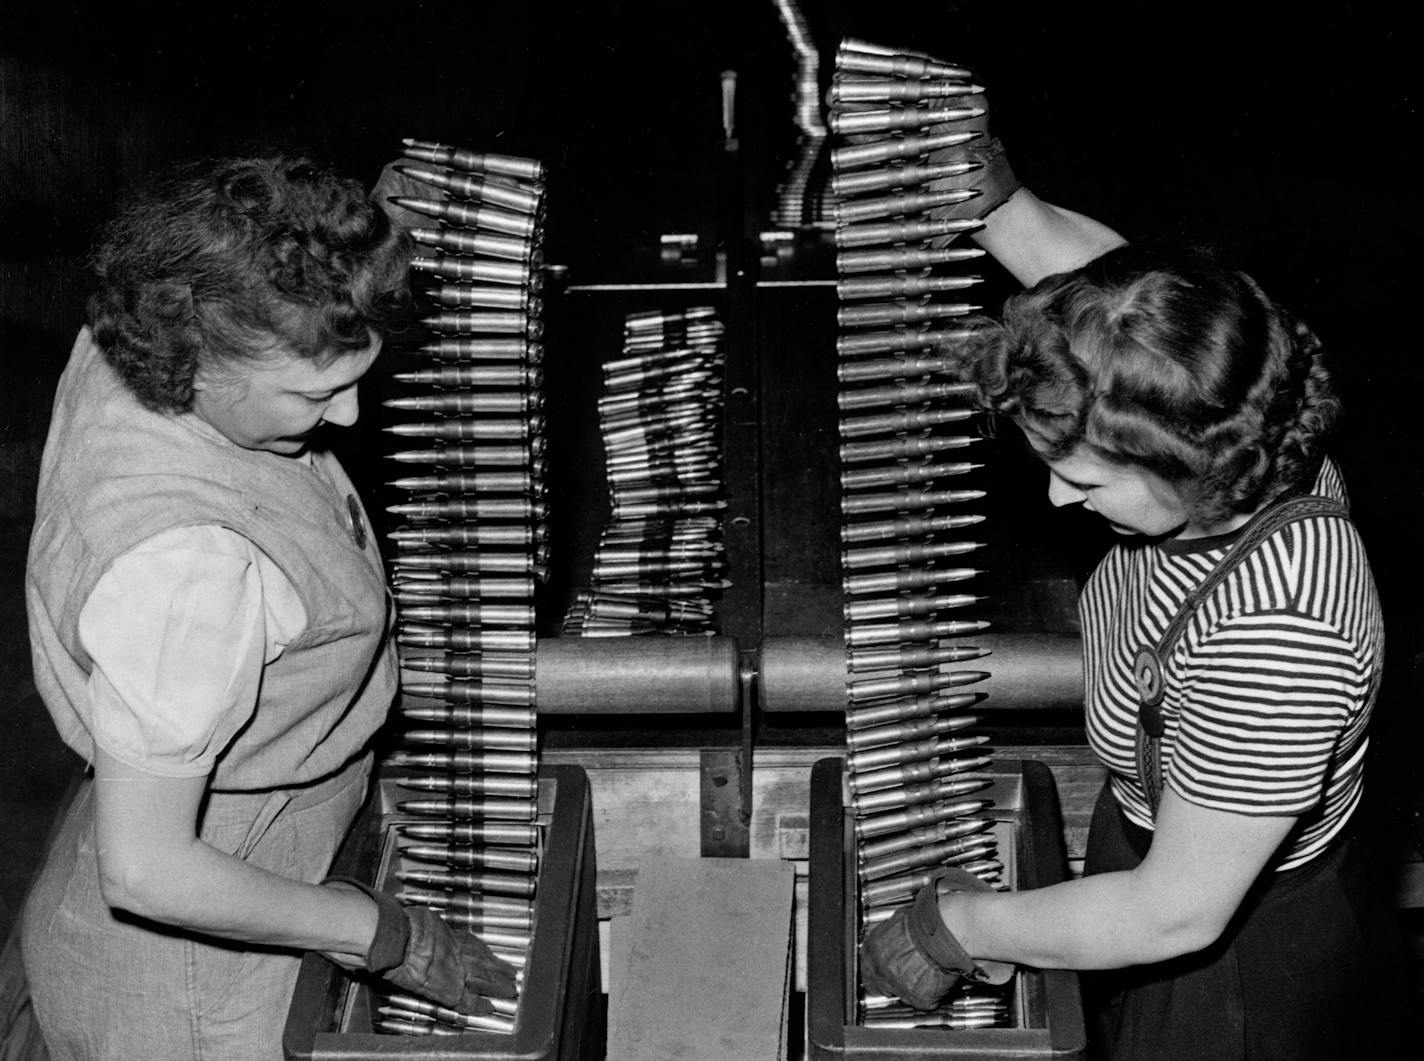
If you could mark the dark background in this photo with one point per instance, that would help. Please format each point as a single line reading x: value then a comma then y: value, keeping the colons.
x: 1288, y: 143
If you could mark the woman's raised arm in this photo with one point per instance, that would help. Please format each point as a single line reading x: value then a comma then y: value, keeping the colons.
x: 1033, y: 239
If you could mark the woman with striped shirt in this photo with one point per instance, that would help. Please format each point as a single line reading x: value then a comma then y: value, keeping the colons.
x: 1223, y: 888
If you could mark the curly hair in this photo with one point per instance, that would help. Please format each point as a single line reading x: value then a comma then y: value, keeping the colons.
x: 1168, y: 360
x: 216, y: 261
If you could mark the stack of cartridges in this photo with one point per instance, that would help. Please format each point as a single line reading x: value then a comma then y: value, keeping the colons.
x: 660, y: 560
x: 797, y: 205
x: 913, y: 761
x: 468, y: 554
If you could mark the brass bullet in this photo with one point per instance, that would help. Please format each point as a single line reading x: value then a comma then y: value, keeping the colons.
x: 906, y: 528
x: 524, y: 169
x: 880, y: 151
x: 919, y: 707
x: 897, y: 581
x: 877, y: 314
x: 881, y: 476
x: 476, y: 215
x: 464, y: 536
x: 523, y: 200
x: 497, y: 809
x: 847, y: 181
x: 473, y: 665
x: 472, y: 721
x: 909, y: 730
x: 493, y: 784
x: 914, y: 818
x: 496, y: 883
x: 494, y: 355
x: 473, y: 689
x: 863, y: 761
x: 864, y: 288
x: 904, y: 657
x: 518, y: 734
x: 500, y: 761
x: 480, y: 270
x: 488, y: 296
x: 469, y: 428
x: 465, y: 403
x: 861, y: 344
x: 494, y: 908
x: 902, y: 259
x: 417, y: 588
x: 934, y: 825
x: 505, y: 859
x: 933, y: 791
x: 863, y: 90
x: 517, y: 482
x: 855, y: 57
x: 864, y: 634
x: 889, y: 233
x: 490, y: 322
x: 918, y: 772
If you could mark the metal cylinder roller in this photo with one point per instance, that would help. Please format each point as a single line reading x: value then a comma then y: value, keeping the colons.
x: 640, y: 675
x: 1039, y: 671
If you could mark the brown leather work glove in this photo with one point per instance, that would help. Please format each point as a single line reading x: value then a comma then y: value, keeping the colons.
x: 994, y: 178
x: 913, y: 956
x: 417, y: 952
x: 391, y: 183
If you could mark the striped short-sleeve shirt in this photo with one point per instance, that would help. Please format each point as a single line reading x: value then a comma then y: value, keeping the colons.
x: 1269, y: 689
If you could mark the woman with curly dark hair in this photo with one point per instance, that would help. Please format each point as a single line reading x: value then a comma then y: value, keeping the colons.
x: 1233, y: 651
x: 210, y: 625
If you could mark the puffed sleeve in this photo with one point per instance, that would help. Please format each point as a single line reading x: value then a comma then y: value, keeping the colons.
x: 179, y: 629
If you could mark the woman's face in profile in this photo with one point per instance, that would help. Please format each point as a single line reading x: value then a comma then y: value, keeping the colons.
x: 1132, y: 500
x: 276, y: 402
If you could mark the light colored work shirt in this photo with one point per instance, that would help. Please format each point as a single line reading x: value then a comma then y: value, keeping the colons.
x: 179, y: 629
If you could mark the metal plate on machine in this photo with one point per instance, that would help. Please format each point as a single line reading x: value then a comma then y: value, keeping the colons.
x: 726, y: 831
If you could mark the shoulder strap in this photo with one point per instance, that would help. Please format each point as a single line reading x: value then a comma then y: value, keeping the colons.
x: 1147, y: 664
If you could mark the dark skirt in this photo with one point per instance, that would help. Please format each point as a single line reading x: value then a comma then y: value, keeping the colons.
x: 1311, y: 967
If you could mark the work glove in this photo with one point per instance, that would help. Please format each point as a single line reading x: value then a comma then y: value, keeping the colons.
x: 392, y: 182
x: 914, y: 956
x: 993, y: 180
x: 415, y: 951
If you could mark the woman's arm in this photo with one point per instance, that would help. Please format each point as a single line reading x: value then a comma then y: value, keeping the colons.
x: 1179, y: 900
x: 179, y: 629
x: 1033, y: 239
x: 153, y: 864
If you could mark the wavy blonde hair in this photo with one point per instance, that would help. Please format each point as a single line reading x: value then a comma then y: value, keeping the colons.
x: 1168, y: 360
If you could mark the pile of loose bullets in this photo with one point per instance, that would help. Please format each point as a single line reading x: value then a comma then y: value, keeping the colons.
x: 468, y: 555
x: 911, y: 761
x: 661, y: 561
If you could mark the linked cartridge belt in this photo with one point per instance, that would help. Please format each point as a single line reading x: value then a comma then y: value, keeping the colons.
x: 470, y: 551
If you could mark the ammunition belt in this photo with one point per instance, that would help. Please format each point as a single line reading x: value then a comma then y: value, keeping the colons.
x: 914, y: 763
x: 470, y: 550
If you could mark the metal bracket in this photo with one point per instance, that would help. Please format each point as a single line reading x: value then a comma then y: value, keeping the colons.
x: 726, y: 831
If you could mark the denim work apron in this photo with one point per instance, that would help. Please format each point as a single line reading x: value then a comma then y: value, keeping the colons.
x: 91, y: 972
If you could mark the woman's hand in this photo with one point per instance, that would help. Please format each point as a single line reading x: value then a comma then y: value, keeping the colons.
x: 415, y: 951
x: 913, y: 956
x: 1178, y: 901
x: 391, y: 183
